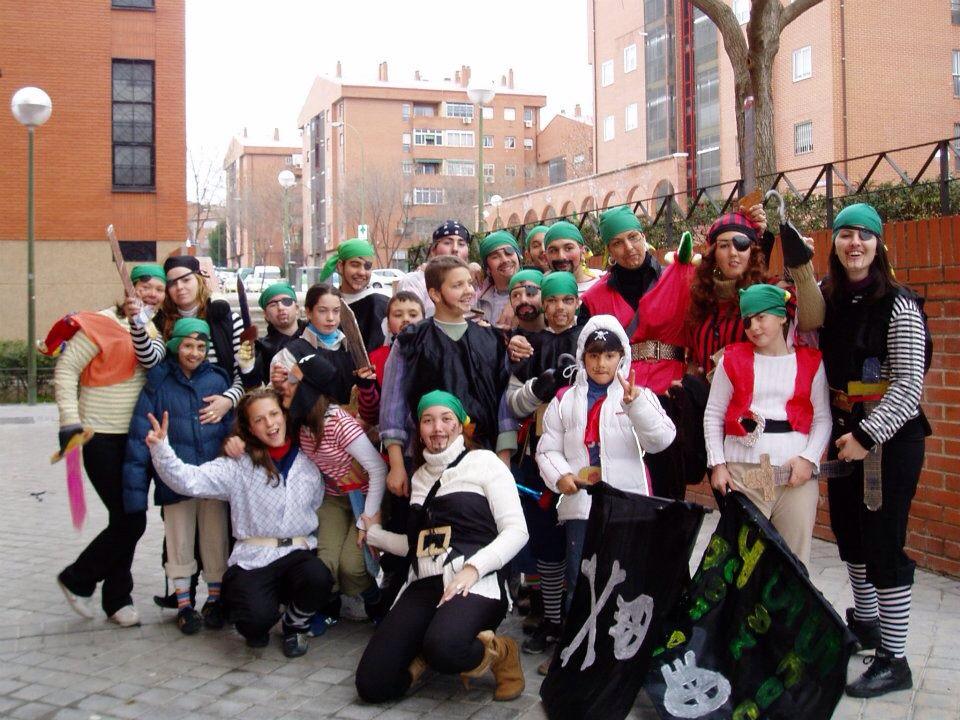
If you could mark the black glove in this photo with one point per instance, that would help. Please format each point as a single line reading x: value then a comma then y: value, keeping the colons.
x: 566, y: 369
x: 363, y: 383
x: 67, y: 432
x: 545, y: 385
x: 795, y: 251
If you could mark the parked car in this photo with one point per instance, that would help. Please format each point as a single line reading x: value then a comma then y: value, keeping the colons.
x: 385, y: 277
x: 228, y: 280
x: 262, y: 277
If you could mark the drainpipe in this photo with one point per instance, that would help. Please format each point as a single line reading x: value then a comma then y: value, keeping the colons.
x: 843, y: 82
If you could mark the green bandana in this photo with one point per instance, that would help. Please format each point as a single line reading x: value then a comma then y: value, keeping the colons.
x: 498, y: 239
x: 441, y: 397
x: 531, y: 233
x: 563, y: 230
x: 346, y: 251
x: 768, y: 299
x: 618, y: 220
x: 529, y: 275
x: 185, y: 327
x: 558, y: 283
x: 148, y: 270
x: 859, y: 215
x: 278, y: 288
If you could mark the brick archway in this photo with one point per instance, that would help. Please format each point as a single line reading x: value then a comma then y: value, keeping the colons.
x: 548, y: 213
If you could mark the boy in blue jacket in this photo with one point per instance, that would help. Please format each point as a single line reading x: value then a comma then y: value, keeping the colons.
x: 179, y: 386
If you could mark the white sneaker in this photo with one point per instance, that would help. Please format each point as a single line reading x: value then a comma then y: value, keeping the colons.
x: 81, y: 605
x: 127, y: 616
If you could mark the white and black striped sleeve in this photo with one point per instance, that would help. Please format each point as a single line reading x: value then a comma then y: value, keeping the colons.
x: 149, y: 351
x: 904, y: 368
x: 236, y: 390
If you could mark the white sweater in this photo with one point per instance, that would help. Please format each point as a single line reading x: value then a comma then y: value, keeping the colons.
x: 774, y: 379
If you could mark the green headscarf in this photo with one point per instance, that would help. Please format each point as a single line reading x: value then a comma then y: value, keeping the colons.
x: 185, y: 327
x: 618, y: 220
x: 858, y: 215
x: 346, y: 251
x: 495, y: 240
x: 148, y: 270
x: 442, y: 397
x: 563, y: 230
x: 529, y: 275
x: 558, y: 283
x: 530, y: 234
x: 761, y: 298
x: 278, y: 288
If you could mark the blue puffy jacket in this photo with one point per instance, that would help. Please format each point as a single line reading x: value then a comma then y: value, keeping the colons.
x: 168, y: 389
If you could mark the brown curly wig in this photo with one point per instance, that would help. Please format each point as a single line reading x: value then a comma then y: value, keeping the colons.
x: 703, y: 293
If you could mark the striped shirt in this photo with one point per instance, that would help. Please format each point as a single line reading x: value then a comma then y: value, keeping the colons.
x: 151, y: 351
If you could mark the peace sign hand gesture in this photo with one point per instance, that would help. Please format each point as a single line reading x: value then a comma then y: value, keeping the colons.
x: 158, y: 431
x: 630, y: 390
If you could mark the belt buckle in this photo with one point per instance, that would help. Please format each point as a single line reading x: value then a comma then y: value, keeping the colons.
x: 284, y: 542
x: 426, y: 541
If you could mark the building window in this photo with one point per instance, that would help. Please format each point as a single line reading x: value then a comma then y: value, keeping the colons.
x: 956, y: 73
x: 459, y: 110
x: 528, y: 172
x: 488, y: 113
x: 630, y: 58
x: 133, y: 141
x: 509, y: 143
x: 606, y: 73
x: 461, y: 168
x: 405, y: 111
x: 406, y: 167
x: 955, y: 12
x: 423, y: 136
x: 509, y: 114
x: 741, y: 8
x: 557, y: 170
x: 488, y: 173
x: 460, y: 138
x: 427, y: 167
x: 802, y: 63
x: 488, y: 141
x: 803, y: 138
x: 608, y: 128
x: 428, y: 196
x: 528, y: 143
x: 405, y: 141
x: 956, y: 146
x: 422, y: 110
x: 630, y: 118
x: 510, y: 170
x: 578, y: 159
x: 139, y: 4
x: 528, y: 112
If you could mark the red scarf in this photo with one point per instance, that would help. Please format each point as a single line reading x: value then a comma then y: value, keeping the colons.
x: 278, y: 453
x: 591, y: 435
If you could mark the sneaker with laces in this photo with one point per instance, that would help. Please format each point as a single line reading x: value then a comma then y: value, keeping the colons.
x: 81, y: 605
x: 546, y: 634
x: 867, y: 632
x: 127, y: 616
x: 294, y: 642
x: 885, y: 673
x: 319, y: 624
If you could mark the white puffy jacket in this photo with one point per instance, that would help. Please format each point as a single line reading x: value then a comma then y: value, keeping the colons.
x: 626, y: 431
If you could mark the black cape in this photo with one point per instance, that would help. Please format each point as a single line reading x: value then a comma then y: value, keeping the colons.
x: 266, y: 347
x: 547, y: 348
x: 370, y: 312
x: 340, y: 359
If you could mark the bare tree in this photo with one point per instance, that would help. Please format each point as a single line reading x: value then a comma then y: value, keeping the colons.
x: 752, y: 59
x: 207, y: 186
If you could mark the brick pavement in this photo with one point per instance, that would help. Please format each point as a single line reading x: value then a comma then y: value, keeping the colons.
x: 54, y: 664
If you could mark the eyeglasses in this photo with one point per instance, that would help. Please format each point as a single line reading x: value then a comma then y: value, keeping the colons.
x: 176, y: 281
x: 529, y: 290
x: 285, y: 301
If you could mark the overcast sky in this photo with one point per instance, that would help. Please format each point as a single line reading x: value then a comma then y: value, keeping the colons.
x: 250, y: 63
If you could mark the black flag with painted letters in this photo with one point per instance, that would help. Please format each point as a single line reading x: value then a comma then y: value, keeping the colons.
x: 635, y: 565
x: 752, y: 637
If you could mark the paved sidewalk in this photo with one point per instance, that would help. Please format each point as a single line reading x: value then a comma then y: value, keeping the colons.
x: 54, y: 664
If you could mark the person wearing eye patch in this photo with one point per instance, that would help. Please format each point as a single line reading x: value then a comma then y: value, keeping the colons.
x: 282, y: 313
x: 354, y: 262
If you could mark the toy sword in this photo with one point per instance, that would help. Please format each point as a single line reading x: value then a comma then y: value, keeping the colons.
x: 121, y: 266
x: 354, y: 339
x: 249, y: 329
x: 767, y: 476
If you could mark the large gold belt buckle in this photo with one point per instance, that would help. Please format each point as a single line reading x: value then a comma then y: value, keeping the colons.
x: 434, y: 541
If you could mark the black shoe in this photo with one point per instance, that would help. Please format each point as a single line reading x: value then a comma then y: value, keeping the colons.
x: 885, y: 674
x: 543, y: 637
x: 294, y: 644
x: 189, y: 621
x: 258, y: 641
x: 867, y: 632
x: 212, y: 613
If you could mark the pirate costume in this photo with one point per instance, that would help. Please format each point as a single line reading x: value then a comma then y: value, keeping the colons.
x: 492, y: 301
x: 274, y: 341
x: 369, y: 305
x: 564, y: 230
x: 414, y: 281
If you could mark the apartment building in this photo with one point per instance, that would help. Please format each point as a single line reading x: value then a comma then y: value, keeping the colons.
x: 113, y: 150
x: 565, y: 149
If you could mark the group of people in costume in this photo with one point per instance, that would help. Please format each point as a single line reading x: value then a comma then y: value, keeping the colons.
x: 303, y: 483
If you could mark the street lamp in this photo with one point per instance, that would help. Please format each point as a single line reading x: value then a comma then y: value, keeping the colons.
x: 341, y: 124
x: 497, y: 201
x: 287, y: 180
x: 480, y: 96
x: 31, y: 106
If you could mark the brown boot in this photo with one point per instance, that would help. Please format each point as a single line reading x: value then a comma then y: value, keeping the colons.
x: 501, y: 655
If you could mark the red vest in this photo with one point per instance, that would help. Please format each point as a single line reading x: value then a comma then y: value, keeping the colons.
x: 738, y: 365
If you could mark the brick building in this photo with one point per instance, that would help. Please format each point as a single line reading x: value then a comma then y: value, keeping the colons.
x: 656, y: 132
x: 113, y: 150
x: 416, y: 142
x: 255, y: 199
x: 565, y: 149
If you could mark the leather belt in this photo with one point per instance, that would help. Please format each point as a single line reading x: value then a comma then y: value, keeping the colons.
x: 276, y: 542
x: 656, y: 350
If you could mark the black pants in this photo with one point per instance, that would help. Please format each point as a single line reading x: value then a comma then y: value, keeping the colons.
x: 684, y: 461
x: 109, y: 556
x: 445, y: 636
x: 252, y: 597
x: 876, y: 539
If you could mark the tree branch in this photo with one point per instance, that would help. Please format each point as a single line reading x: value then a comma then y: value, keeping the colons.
x: 792, y: 11
x: 722, y: 16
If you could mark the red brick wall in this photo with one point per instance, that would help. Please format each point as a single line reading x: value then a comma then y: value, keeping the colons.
x: 926, y: 255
